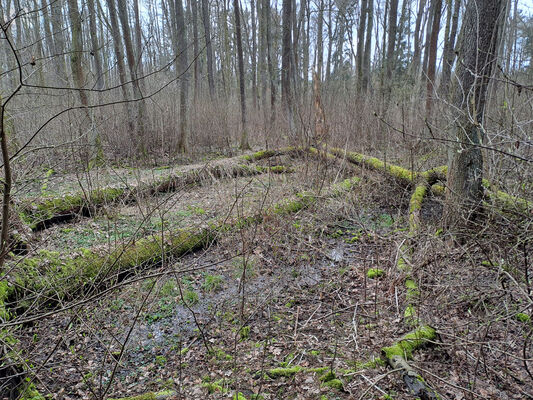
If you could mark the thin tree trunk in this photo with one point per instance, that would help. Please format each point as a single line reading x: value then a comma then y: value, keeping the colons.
x: 481, y: 25
x: 117, y: 45
x: 368, y: 46
x: 391, y: 44
x: 271, y: 71
x: 130, y: 57
x: 59, y: 40
x: 360, y: 44
x: 319, y: 57
x: 77, y: 70
x: 209, y: 48
x: 432, y: 60
x: 139, y: 67
x: 196, y: 69
x: 415, y: 65
x: 184, y: 76
x: 253, y: 55
x: 238, y: 37
x: 448, y: 54
x: 286, y: 67
x: 95, y: 48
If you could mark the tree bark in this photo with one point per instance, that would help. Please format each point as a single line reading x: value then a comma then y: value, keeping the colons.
x: 368, y: 46
x: 432, y: 59
x: 95, y: 47
x: 360, y: 44
x: 183, y: 66
x: 238, y: 37
x: 117, y: 45
x: 474, y: 69
x: 448, y: 54
x: 286, y: 67
x: 130, y: 57
x: 209, y: 48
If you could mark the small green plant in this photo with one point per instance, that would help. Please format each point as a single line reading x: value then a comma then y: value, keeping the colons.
x: 190, y: 297
x: 374, y: 273
x: 160, y: 360
x: 212, y: 282
x: 245, y: 333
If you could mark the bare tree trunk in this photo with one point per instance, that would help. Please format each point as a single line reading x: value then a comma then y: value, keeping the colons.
x: 117, y: 45
x: 59, y: 39
x: 360, y: 44
x: 77, y: 70
x: 390, y: 63
x: 196, y: 69
x: 209, y: 48
x: 253, y: 55
x: 95, y: 47
x: 139, y: 68
x: 183, y: 74
x: 137, y: 93
x: 286, y: 67
x: 368, y: 45
x: 415, y: 65
x: 238, y: 37
x: 432, y: 60
x: 448, y: 54
x: 319, y: 57
x: 475, y: 66
x: 271, y: 71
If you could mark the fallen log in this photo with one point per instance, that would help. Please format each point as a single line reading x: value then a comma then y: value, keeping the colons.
x: 398, y: 355
x: 40, y: 213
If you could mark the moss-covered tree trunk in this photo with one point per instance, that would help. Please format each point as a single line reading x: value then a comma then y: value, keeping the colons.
x: 475, y: 65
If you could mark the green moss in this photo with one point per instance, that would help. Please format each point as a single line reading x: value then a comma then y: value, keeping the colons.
x: 284, y: 372
x: 522, y: 317
x: 412, y: 289
x: 330, y: 379
x: 149, y: 396
x: 415, y: 205
x: 328, y: 376
x: 410, y: 342
x: 374, y: 273
x: 335, y: 384
x: 244, y: 333
x: 435, y: 174
x: 410, y: 314
x: 438, y: 190
x: 374, y: 163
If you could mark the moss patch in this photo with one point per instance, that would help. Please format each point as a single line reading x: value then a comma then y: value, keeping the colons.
x: 148, y: 396
x: 410, y: 342
x: 374, y: 273
x: 403, y: 174
x: 284, y: 372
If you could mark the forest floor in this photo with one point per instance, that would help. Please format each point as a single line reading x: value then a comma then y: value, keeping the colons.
x: 277, y: 308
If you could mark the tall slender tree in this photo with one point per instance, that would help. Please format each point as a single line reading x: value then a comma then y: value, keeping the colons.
x: 481, y: 25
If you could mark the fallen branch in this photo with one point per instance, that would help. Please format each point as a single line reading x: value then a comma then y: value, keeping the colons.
x: 40, y: 213
x: 399, y: 353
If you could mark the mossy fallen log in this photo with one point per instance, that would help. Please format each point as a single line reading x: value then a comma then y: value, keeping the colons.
x: 401, y: 174
x: 506, y: 201
x: 262, y: 154
x: 415, y: 205
x: 435, y: 174
x: 40, y: 213
x: 398, y: 355
x: 148, y: 396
